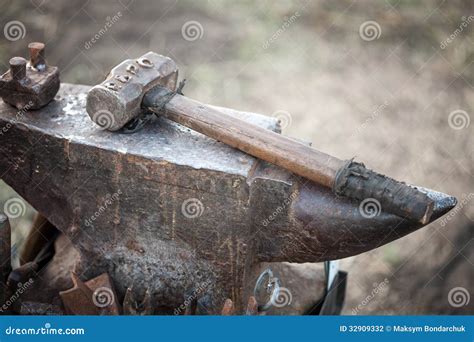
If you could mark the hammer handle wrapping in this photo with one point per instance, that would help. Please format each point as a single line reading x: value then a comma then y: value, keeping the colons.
x: 395, y: 197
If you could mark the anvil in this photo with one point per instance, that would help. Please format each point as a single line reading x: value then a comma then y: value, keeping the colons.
x: 171, y: 210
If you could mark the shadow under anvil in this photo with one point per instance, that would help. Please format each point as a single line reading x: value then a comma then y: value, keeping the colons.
x: 170, y: 210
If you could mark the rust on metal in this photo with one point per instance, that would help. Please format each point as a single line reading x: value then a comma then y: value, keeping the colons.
x: 175, y: 193
x: 30, y: 86
x: 94, y: 297
x: 5, y: 256
x: 37, y: 56
x: 252, y: 307
x: 228, y: 308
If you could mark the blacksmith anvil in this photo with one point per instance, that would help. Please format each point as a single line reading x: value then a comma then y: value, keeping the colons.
x: 170, y: 210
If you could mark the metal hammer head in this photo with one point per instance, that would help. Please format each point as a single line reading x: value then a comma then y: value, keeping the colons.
x: 117, y: 100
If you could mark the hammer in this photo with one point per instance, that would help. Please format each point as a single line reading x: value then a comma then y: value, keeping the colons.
x: 149, y: 84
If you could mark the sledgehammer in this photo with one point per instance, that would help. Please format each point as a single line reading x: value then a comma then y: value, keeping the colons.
x: 149, y: 83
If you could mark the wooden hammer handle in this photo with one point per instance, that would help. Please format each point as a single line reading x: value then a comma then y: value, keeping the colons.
x: 298, y: 158
x: 256, y: 141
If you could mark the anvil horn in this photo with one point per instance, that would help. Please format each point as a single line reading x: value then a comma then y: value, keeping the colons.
x: 169, y: 209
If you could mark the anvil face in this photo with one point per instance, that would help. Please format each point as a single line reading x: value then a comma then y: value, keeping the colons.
x: 173, y: 211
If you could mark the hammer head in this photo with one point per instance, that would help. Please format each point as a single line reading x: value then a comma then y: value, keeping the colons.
x: 117, y: 100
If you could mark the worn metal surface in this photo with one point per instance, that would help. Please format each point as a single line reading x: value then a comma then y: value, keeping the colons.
x: 170, y: 210
x: 118, y: 99
x: 29, y: 86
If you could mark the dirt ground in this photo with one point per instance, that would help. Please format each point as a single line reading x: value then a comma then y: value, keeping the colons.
x: 375, y: 80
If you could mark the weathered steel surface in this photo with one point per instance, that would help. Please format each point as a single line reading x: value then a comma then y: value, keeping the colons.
x: 170, y: 210
x: 30, y: 85
x: 118, y: 98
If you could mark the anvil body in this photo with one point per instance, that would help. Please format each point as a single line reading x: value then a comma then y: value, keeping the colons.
x: 170, y: 210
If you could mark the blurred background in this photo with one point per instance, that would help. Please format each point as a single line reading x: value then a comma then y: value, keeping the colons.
x: 388, y: 82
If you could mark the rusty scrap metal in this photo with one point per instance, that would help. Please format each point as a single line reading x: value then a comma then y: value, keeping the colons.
x: 228, y: 308
x: 5, y: 248
x: 30, y: 85
x: 94, y: 297
x: 5, y: 256
x: 179, y: 194
x: 252, y: 307
x: 131, y: 306
x: 78, y: 299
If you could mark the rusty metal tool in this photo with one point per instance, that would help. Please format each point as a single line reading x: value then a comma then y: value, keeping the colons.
x: 167, y: 197
x: 32, y: 84
x: 5, y: 248
x: 5, y: 257
x: 149, y: 83
x: 94, y: 297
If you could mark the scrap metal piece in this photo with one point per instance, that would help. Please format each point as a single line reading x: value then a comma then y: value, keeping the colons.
x: 252, y: 307
x: 228, y: 308
x: 30, y: 86
x: 268, y: 286
x: 94, y: 297
x: 104, y: 295
x: 131, y: 306
x: 78, y: 299
x: 5, y: 248
x: 5, y: 256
